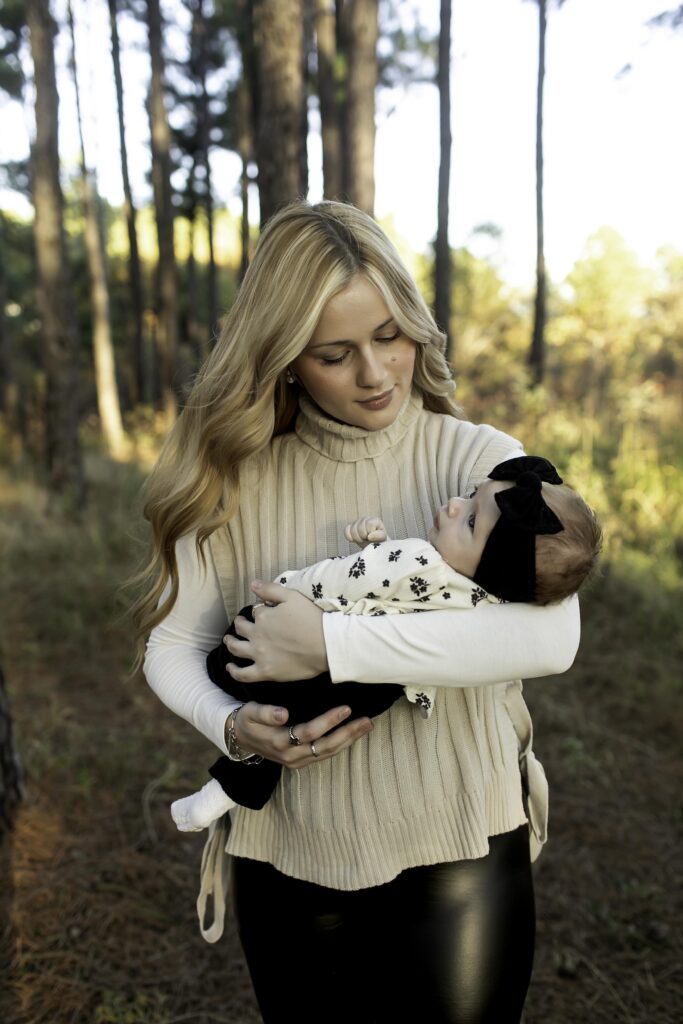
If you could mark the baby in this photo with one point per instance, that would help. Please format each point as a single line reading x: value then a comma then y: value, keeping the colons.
x: 521, y: 536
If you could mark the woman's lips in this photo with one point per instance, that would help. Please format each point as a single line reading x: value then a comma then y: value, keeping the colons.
x: 381, y: 402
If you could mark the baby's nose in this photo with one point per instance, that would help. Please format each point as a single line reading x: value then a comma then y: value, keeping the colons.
x: 454, y: 507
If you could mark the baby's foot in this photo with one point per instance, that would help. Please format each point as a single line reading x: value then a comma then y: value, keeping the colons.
x: 195, y: 812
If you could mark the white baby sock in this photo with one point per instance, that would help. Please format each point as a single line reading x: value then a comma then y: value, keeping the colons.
x: 196, y: 812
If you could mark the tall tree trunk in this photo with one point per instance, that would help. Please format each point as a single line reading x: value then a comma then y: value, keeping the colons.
x: 6, y: 376
x: 103, y: 347
x: 167, y: 320
x: 537, y: 352
x: 442, y: 264
x: 139, y: 391
x: 11, y: 783
x: 247, y: 114
x: 279, y: 37
x: 199, y: 31
x: 196, y: 335
x: 55, y: 300
x: 245, y: 143
x: 361, y: 83
x: 326, y: 40
x: 307, y: 49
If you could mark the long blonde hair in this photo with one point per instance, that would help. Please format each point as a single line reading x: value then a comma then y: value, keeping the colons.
x: 240, y: 399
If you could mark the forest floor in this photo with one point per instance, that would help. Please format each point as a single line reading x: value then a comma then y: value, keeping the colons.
x: 97, y: 909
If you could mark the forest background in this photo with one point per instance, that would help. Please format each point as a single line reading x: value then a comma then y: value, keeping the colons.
x: 105, y: 313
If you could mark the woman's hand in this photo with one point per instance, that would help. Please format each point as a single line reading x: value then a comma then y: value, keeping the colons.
x: 285, y: 641
x: 260, y: 729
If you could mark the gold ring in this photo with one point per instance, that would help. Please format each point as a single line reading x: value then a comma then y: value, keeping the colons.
x: 314, y: 751
x: 293, y: 738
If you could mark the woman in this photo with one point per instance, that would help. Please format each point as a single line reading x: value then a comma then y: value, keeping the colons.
x: 388, y: 878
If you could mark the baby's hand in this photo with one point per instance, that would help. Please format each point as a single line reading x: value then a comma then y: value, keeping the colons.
x: 368, y: 530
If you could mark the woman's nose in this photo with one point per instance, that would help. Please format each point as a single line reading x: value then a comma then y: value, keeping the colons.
x: 370, y: 371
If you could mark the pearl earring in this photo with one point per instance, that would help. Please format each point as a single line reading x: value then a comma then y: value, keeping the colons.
x: 290, y: 378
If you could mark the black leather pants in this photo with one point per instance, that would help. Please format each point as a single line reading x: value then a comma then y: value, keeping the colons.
x: 449, y: 943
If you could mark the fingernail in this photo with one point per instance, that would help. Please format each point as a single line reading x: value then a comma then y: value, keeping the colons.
x: 280, y: 714
x: 344, y: 713
x: 256, y: 585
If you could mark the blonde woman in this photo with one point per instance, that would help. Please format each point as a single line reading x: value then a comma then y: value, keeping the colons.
x: 388, y: 878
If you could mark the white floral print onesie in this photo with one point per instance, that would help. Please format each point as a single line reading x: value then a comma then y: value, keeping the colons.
x: 388, y: 578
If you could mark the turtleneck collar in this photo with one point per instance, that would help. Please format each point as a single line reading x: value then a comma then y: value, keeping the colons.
x: 345, y: 443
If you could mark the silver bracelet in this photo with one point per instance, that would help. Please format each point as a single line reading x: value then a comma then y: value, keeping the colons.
x: 235, y: 752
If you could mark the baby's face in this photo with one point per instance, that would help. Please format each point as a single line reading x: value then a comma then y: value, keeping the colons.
x: 462, y: 526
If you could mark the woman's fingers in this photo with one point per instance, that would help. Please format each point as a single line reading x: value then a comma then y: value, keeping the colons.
x: 261, y: 729
x: 328, y: 746
x: 284, y: 642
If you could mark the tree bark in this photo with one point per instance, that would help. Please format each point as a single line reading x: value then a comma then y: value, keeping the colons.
x: 103, y: 347
x: 245, y: 143
x: 55, y: 301
x: 537, y: 351
x: 6, y: 375
x: 278, y: 26
x: 196, y: 335
x: 361, y: 83
x: 139, y: 390
x: 199, y: 32
x: 167, y: 319
x: 442, y: 263
x: 10, y: 768
x: 247, y: 116
x: 326, y: 43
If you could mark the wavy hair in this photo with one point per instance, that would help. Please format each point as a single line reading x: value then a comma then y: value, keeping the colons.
x: 240, y: 400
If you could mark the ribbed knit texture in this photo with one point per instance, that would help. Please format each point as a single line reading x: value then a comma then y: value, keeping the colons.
x: 413, y: 791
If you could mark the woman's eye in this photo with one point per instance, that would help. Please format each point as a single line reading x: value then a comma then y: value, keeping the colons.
x: 334, y: 362
x: 392, y: 338
x: 471, y: 521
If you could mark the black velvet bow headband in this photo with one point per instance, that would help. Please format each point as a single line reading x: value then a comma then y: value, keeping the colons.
x: 507, y: 567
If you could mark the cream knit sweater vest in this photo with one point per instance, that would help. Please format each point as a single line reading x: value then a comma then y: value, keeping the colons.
x: 414, y: 791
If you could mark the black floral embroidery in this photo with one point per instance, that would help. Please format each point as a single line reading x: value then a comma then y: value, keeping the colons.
x: 385, y: 583
x: 372, y: 597
x: 395, y: 555
x: 395, y: 599
x: 342, y: 601
x: 421, y: 559
x: 317, y: 589
x: 424, y: 599
x: 358, y: 568
x: 478, y: 595
x: 418, y: 586
x: 378, y: 611
x: 283, y: 580
x: 375, y: 544
x: 423, y: 701
x: 446, y: 596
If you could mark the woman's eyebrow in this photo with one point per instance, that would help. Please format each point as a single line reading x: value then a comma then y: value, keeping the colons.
x: 347, y: 341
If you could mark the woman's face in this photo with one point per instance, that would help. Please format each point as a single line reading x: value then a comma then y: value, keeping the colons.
x: 357, y: 366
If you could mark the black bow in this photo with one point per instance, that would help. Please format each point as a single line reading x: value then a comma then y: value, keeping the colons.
x: 523, y: 505
x: 507, y: 567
